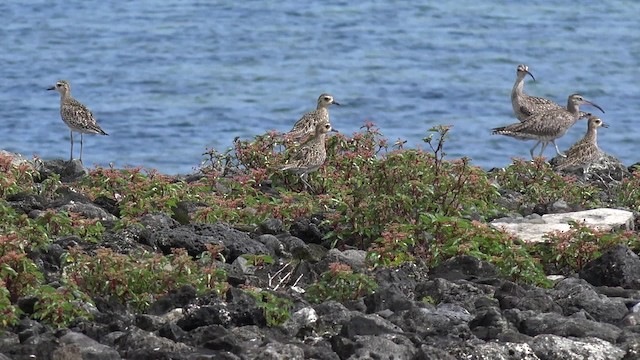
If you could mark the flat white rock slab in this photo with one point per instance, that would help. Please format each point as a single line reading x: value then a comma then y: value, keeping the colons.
x: 533, y: 228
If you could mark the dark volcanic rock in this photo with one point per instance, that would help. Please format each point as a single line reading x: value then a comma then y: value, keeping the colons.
x: 194, y: 238
x: 618, y: 266
x: 575, y: 295
x: 68, y: 170
x: 464, y: 267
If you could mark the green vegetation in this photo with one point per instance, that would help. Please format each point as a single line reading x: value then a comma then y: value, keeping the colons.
x: 400, y: 205
x: 276, y: 309
x: 340, y: 283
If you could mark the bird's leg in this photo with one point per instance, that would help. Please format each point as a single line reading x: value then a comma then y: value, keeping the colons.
x: 533, y: 148
x: 81, y: 147
x: 71, y: 156
x: 544, y: 146
x: 558, y: 150
x: 303, y: 177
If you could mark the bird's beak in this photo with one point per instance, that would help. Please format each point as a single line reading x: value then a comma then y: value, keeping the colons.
x: 334, y: 130
x: 592, y: 104
x: 605, y: 125
x: 51, y: 88
x: 530, y: 74
x: 336, y: 103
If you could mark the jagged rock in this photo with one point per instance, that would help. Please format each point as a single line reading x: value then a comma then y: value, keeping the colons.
x: 301, y: 320
x: 17, y: 159
x: 513, y: 296
x: 370, y: 324
x: 85, y: 347
x: 460, y: 292
x: 89, y: 211
x: 552, y: 347
x: 332, y: 316
x: 354, y: 258
x: 533, y: 228
x: 574, y: 295
x: 309, y: 230
x: 499, y: 351
x: 603, y: 171
x: 25, y: 203
x: 383, y: 346
x: 444, y: 319
x: 271, y: 226
x: 296, y: 247
x: 276, y: 351
x: 143, y: 345
x: 69, y: 171
x: 618, y: 266
x: 532, y: 324
x: 272, y: 243
x: 464, y: 267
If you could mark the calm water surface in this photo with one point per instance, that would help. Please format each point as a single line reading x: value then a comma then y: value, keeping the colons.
x: 169, y: 79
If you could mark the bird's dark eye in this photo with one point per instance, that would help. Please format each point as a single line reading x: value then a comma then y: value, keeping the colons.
x: 327, y: 99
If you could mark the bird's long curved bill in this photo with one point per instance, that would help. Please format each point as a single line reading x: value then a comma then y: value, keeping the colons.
x: 530, y: 74
x: 594, y: 105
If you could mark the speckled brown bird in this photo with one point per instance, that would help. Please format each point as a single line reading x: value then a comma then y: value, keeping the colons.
x: 77, y: 116
x: 306, y: 126
x: 525, y: 105
x: 586, y: 151
x: 310, y: 155
x: 548, y: 126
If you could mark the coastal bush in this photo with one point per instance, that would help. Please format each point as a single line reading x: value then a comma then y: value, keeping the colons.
x: 9, y: 314
x: 136, y: 280
x: 567, y: 252
x: 276, y: 309
x: 341, y: 284
x: 628, y: 192
x: 539, y: 184
x: 136, y: 191
x: 60, y: 307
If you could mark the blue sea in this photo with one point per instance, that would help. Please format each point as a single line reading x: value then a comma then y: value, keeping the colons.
x: 169, y: 79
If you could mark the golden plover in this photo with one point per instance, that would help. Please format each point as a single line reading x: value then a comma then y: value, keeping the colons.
x: 586, y: 151
x: 310, y: 155
x: 306, y: 126
x: 77, y: 116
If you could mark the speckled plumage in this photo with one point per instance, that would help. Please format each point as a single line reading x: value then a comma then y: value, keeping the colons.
x: 586, y: 151
x: 310, y: 155
x: 306, y: 126
x: 525, y: 105
x: 77, y: 116
x: 548, y: 126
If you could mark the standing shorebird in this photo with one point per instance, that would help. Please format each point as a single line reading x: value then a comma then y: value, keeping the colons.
x: 525, y: 105
x: 306, y: 126
x: 77, y: 116
x: 585, y: 152
x: 548, y: 126
x: 310, y: 155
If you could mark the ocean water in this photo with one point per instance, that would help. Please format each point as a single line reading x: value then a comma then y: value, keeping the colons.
x: 169, y: 79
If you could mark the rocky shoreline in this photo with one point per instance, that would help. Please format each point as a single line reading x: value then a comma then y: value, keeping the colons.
x: 462, y: 309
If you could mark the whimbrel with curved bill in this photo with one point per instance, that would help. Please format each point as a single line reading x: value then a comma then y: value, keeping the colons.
x: 548, y: 126
x: 525, y: 105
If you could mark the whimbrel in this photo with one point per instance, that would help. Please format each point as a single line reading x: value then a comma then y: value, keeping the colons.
x: 584, y: 152
x: 306, y: 126
x: 548, y: 126
x: 525, y: 105
x: 310, y: 155
x: 77, y: 116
